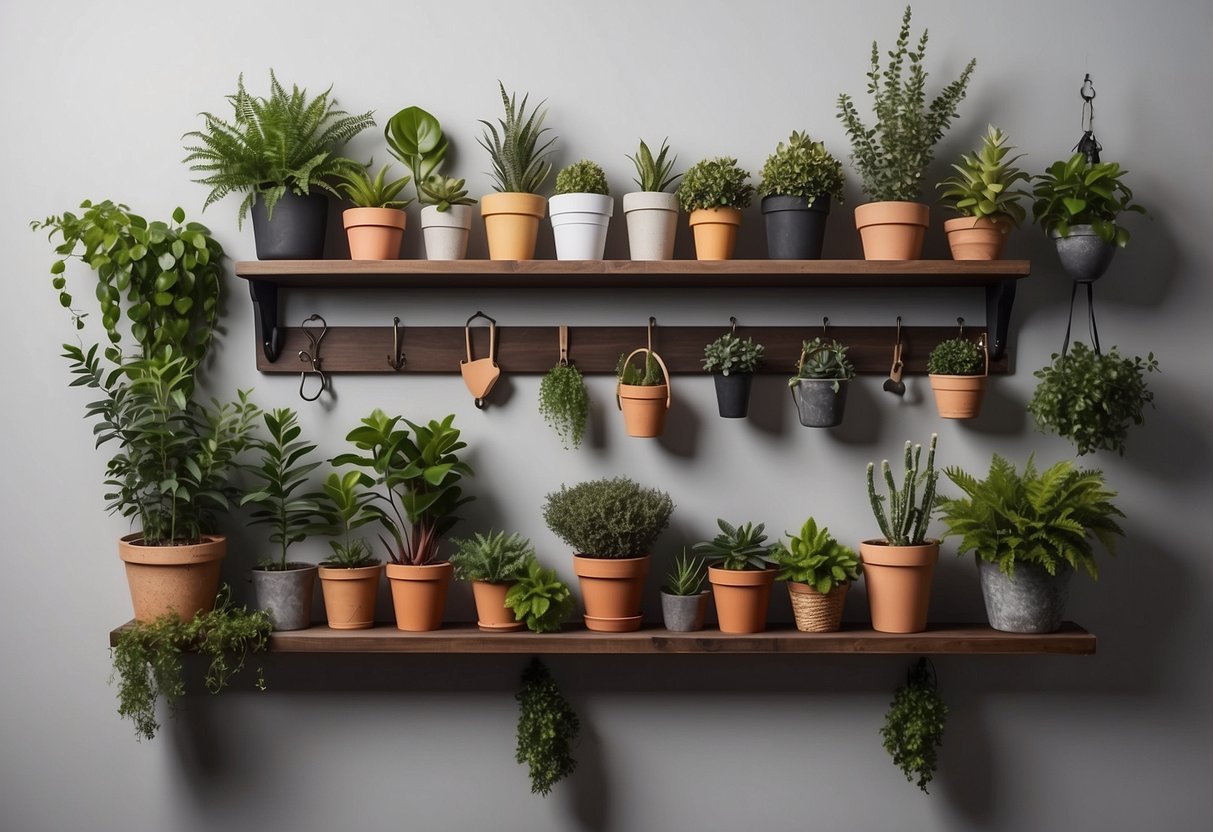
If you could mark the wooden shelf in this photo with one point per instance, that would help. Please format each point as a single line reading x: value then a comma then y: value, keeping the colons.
x: 939, y: 639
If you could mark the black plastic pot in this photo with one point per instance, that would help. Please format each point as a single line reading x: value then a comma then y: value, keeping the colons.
x: 296, y: 231
x: 795, y: 228
x: 1084, y: 256
x: 733, y: 394
x: 817, y: 404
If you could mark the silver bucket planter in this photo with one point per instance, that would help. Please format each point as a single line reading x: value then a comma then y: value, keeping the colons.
x: 1032, y: 601
x: 684, y: 613
x: 817, y: 403
x: 286, y: 595
x: 1084, y: 256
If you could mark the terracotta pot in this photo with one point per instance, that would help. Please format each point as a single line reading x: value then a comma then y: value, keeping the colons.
x: 446, y: 232
x: 892, y: 230
x: 715, y: 232
x: 179, y: 579
x: 958, y: 397
x: 644, y: 406
x: 374, y: 233
x: 742, y: 597
x: 286, y: 594
x: 491, y: 611
x: 579, y: 225
x: 349, y: 595
x: 511, y: 222
x: 612, y: 589
x: 652, y: 224
x: 973, y: 238
x: 814, y: 612
x: 899, y: 584
x: 419, y: 594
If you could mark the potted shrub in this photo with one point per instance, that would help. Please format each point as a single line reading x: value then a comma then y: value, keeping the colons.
x: 1077, y: 204
x: 349, y: 578
x: 284, y: 588
x: 375, y: 225
x: 1028, y: 534
x: 564, y: 403
x: 798, y: 180
x: 684, y: 601
x: 611, y: 525
x: 732, y: 363
x: 892, y: 155
x: 280, y: 152
x: 958, y: 369
x: 741, y: 573
x: 651, y: 212
x: 493, y: 563
x: 899, y: 566
x: 171, y: 469
x: 983, y: 193
x: 446, y: 218
x: 713, y: 192
x: 819, y: 570
x: 819, y: 388
x: 547, y: 729
x: 642, y: 393
x: 913, y: 726
x: 519, y: 155
x: 540, y: 599
x: 417, y: 479
x: 581, y: 210
x: 1091, y: 398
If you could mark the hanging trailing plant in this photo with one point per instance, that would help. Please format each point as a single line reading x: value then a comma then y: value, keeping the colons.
x: 913, y: 727
x: 564, y: 403
x: 547, y: 727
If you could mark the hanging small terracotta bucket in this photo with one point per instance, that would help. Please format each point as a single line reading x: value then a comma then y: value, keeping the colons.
x: 959, y: 397
x: 644, y: 406
x: 480, y: 374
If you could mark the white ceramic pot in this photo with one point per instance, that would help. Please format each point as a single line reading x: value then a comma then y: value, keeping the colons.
x: 446, y: 232
x: 652, y: 223
x: 579, y: 222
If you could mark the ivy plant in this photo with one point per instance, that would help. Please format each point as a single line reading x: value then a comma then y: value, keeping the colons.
x: 801, y: 168
x: 547, y: 728
x: 584, y: 177
x: 715, y: 183
x: 564, y: 403
x: 913, y: 727
x: 540, y: 599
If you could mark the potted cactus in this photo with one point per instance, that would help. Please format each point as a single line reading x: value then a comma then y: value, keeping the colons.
x: 741, y: 574
x: 819, y: 570
x: 983, y: 193
x: 493, y: 563
x: 798, y: 181
x: 958, y: 369
x: 642, y: 393
x: 581, y: 211
x: 684, y: 601
x: 732, y: 363
x: 375, y: 225
x: 819, y: 388
x: 713, y: 192
x: 651, y: 212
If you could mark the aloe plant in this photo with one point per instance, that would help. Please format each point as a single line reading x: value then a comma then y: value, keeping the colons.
x: 518, y: 152
x: 367, y: 192
x: 654, y: 174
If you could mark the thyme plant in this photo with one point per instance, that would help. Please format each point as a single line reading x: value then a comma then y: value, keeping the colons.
x: 547, y: 728
x: 608, y: 518
x: 913, y: 727
x: 564, y: 403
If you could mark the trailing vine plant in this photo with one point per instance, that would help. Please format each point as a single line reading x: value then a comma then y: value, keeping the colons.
x: 547, y: 727
x: 564, y: 403
x: 913, y: 727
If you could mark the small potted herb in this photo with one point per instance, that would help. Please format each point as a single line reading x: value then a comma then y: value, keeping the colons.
x: 349, y: 578
x: 713, y: 192
x: 446, y: 218
x: 375, y: 225
x: 493, y: 563
x: 684, y: 601
x: 539, y: 599
x: 642, y: 393
x: 651, y: 212
x: 798, y: 180
x: 564, y: 403
x: 732, y: 363
x: 741, y: 574
x: 958, y: 369
x: 581, y: 211
x: 983, y: 193
x: 819, y: 388
x: 913, y: 726
x: 819, y: 570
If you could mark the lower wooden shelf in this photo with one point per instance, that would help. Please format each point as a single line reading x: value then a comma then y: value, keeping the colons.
x: 938, y: 639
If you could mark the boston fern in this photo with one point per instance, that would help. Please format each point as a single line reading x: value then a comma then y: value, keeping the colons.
x: 801, y: 168
x: 1046, y: 518
x: 892, y: 155
x: 564, y: 403
x: 495, y: 558
x: 913, y: 726
x: 737, y: 547
x: 547, y: 728
x: 608, y: 518
x: 519, y: 156
x: 540, y: 599
x: 286, y: 142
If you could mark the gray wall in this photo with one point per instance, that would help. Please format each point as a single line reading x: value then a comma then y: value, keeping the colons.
x: 97, y: 97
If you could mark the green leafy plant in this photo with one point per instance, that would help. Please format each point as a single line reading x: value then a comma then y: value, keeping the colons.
x: 686, y: 578
x: 564, y: 403
x: 956, y: 357
x: 801, y: 168
x: 584, y: 177
x: 281, y: 473
x: 496, y: 558
x: 608, y: 518
x: 344, y: 506
x: 418, y: 480
x: 365, y: 192
x: 443, y: 191
x: 737, y: 547
x: 540, y: 599
x: 913, y: 727
x: 729, y: 354
x: 647, y: 375
x: 1092, y: 399
x: 984, y: 184
x: 892, y: 155
x: 547, y: 728
x: 815, y: 558
x: 518, y: 152
x: 903, y: 522
x: 415, y: 138
x: 823, y: 359
x: 147, y: 657
x: 715, y: 183
x: 1047, y: 518
x: 654, y: 174
x: 286, y: 142
x: 1075, y: 192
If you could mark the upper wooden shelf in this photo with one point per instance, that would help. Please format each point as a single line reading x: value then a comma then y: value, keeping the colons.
x: 939, y: 639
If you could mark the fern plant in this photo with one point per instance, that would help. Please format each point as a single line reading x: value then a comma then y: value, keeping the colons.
x: 913, y: 727
x: 737, y: 547
x: 903, y: 521
x: 367, y: 192
x: 518, y: 152
x: 815, y: 558
x: 564, y: 403
x: 584, y: 177
x: 495, y: 558
x: 547, y: 728
x: 893, y: 153
x: 286, y: 142
x: 540, y: 599
x: 654, y: 174
x: 1048, y: 518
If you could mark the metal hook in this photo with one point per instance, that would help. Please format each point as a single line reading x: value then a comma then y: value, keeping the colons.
x: 733, y: 324
x: 899, y: 330
x: 825, y: 325
x: 960, y: 322
x: 652, y: 323
x: 312, y: 356
x: 396, y: 359
x: 564, y: 345
x: 480, y: 314
x: 1087, y: 87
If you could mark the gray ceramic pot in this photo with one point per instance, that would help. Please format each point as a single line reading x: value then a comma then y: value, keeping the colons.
x: 286, y: 595
x: 1033, y: 601
x: 684, y: 613
x: 817, y: 403
x: 1083, y: 255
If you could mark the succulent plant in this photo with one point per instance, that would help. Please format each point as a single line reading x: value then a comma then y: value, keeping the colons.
x: 984, y: 185
x: 518, y: 152
x: 737, y: 547
x: 822, y: 359
x: 686, y: 578
x: 367, y: 192
x: 653, y: 174
x: 730, y: 354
